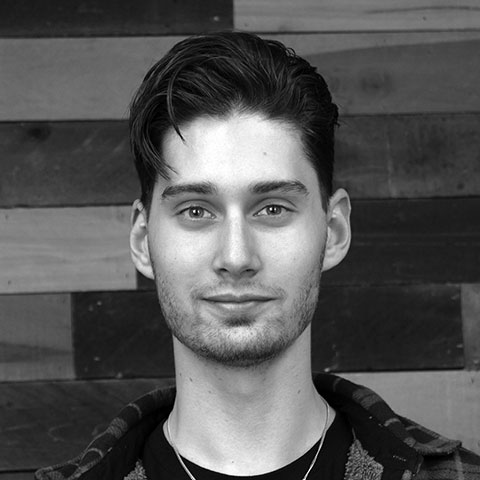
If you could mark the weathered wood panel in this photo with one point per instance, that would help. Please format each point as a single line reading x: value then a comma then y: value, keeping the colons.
x: 65, y: 249
x: 93, y: 79
x: 388, y: 328
x: 88, y: 162
x: 446, y: 402
x: 361, y: 15
x: 45, y: 423
x: 35, y: 337
x: 471, y: 325
x: 377, y: 157
x: 57, y: 18
x: 123, y: 334
x: 120, y: 334
x: 412, y: 241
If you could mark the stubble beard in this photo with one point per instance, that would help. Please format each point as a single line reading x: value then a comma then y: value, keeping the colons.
x: 254, y: 344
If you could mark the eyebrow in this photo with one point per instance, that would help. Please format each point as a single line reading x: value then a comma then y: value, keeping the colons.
x: 259, y: 188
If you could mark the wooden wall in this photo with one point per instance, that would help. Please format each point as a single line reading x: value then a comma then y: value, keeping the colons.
x: 401, y: 314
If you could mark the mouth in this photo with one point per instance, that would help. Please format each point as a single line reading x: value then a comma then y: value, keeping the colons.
x: 231, y: 303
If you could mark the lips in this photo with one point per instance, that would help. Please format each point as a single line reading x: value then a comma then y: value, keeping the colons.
x: 248, y: 303
x: 243, y: 298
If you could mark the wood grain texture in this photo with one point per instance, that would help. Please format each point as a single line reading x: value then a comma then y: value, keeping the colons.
x: 412, y: 241
x: 446, y: 402
x: 46, y: 423
x: 376, y: 157
x: 388, y: 328
x: 123, y: 334
x: 377, y: 73
x: 120, y: 334
x: 361, y: 15
x: 35, y: 337
x: 27, y: 18
x: 471, y: 325
x: 88, y: 162
x: 65, y: 249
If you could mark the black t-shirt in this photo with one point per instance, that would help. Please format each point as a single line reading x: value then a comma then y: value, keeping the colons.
x: 161, y: 463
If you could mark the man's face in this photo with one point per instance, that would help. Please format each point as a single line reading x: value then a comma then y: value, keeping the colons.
x: 236, y: 238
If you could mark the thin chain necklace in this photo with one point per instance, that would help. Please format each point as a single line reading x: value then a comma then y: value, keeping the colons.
x: 320, y: 444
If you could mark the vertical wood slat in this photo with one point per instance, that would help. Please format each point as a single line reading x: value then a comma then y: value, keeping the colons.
x: 35, y: 337
x: 471, y: 325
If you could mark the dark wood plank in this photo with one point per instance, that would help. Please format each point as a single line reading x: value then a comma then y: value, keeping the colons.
x: 377, y: 157
x: 17, y: 475
x: 89, y: 163
x: 46, y: 423
x: 412, y: 241
x: 36, y: 337
x: 361, y: 15
x: 58, y: 18
x: 417, y: 156
x: 120, y: 334
x: 471, y: 325
x: 388, y: 328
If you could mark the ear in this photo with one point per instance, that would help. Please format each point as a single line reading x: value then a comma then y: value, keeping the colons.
x: 338, y: 229
x: 139, y: 240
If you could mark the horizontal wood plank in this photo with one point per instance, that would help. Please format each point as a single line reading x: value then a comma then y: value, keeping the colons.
x: 446, y: 402
x: 381, y: 156
x: 36, y: 337
x: 94, y: 78
x: 361, y: 15
x: 46, y: 423
x: 65, y: 249
x: 412, y: 241
x: 27, y: 18
x: 471, y: 325
x: 120, y: 334
x: 123, y: 334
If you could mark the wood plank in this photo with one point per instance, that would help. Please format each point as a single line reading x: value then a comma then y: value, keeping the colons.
x: 123, y: 334
x: 471, y: 325
x: 88, y: 162
x: 377, y: 157
x: 94, y: 78
x: 65, y: 249
x: 27, y: 18
x: 46, y: 423
x: 17, y: 475
x: 120, y: 334
x: 363, y: 15
x: 36, y: 337
x: 417, y: 156
x: 388, y: 328
x: 411, y: 241
x: 446, y: 402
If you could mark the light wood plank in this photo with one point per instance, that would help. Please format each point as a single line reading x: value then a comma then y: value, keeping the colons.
x: 444, y: 401
x: 65, y: 249
x: 361, y: 15
x: 36, y: 337
x: 471, y: 325
x: 93, y: 79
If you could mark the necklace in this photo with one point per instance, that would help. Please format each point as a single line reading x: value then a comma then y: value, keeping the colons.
x: 190, y: 475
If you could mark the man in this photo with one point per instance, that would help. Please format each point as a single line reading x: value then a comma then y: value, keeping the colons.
x: 233, y: 142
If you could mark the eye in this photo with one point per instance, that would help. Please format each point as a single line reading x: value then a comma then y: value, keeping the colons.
x: 272, y: 211
x: 195, y: 212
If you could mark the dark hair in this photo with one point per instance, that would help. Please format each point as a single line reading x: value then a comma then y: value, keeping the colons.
x: 222, y: 73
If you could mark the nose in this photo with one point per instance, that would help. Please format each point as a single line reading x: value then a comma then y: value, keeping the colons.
x: 236, y: 254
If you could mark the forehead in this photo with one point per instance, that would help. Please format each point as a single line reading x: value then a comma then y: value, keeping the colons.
x: 237, y: 151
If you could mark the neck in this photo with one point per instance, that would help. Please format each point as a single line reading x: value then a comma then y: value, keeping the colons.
x: 246, y: 421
